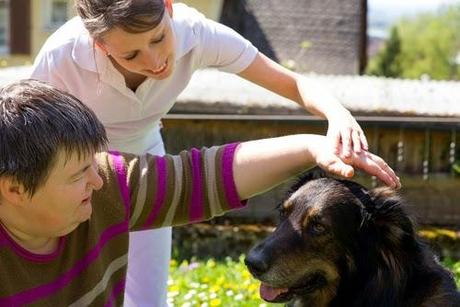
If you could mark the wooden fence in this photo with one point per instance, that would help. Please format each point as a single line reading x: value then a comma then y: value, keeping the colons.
x: 422, y: 150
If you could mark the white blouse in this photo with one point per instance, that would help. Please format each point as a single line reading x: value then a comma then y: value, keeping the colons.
x: 69, y: 61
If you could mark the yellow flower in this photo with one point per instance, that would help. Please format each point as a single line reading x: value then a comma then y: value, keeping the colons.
x: 246, y: 274
x: 229, y: 286
x: 253, y: 288
x: 210, y: 263
x: 205, y: 279
x: 215, y: 302
x: 220, y: 280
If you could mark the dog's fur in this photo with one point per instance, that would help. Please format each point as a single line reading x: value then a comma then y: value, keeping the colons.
x: 339, y: 244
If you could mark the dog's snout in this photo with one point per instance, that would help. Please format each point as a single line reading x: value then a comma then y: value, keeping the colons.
x: 256, y: 264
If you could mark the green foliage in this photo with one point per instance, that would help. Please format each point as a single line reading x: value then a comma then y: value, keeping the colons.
x: 226, y: 283
x: 387, y: 62
x: 427, y: 44
x: 454, y: 266
x: 456, y: 168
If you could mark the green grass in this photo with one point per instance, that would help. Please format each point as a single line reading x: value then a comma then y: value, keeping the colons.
x: 212, y: 283
x: 454, y: 266
x: 226, y: 283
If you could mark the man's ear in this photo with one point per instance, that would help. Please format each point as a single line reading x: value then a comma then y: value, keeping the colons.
x: 11, y: 191
x: 169, y: 7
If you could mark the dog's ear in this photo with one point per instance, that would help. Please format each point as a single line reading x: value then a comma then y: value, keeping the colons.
x: 389, y: 215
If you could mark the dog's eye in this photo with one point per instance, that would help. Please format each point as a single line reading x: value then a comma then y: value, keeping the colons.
x: 317, y: 228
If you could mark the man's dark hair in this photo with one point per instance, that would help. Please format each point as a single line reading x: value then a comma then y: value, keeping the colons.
x: 37, y: 122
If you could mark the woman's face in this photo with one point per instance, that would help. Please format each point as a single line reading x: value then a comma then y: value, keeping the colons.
x: 151, y: 53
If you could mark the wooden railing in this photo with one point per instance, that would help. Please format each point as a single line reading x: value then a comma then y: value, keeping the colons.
x: 423, y: 150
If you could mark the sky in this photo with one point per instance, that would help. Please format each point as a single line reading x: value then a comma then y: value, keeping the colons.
x: 408, y: 6
x: 382, y: 13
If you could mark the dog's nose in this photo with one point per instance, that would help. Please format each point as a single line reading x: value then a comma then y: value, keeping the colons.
x: 256, y: 265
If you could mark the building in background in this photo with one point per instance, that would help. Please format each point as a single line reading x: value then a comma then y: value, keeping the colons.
x: 326, y: 37
x: 25, y: 24
x: 210, y: 8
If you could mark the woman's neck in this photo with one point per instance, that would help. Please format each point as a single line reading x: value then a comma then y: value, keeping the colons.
x: 36, y: 245
x: 132, y: 80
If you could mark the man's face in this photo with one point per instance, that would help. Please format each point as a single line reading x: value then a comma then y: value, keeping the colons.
x: 151, y: 53
x: 59, y: 206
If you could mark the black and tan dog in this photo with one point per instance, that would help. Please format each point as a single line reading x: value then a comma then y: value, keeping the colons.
x: 338, y: 244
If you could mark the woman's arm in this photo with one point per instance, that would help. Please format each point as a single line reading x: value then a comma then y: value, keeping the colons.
x: 196, y: 185
x: 343, y: 128
x: 260, y: 165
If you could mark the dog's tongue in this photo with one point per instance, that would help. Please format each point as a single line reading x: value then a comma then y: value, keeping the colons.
x: 269, y: 293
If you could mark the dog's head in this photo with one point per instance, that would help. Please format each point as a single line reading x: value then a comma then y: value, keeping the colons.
x: 327, y: 228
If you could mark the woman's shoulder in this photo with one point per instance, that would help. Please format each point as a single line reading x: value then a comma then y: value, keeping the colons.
x: 66, y: 35
x: 187, y: 17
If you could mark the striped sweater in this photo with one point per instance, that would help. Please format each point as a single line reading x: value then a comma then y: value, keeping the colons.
x: 89, y: 265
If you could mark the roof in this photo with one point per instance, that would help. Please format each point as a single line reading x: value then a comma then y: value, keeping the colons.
x: 212, y: 91
x: 362, y: 95
x: 332, y: 30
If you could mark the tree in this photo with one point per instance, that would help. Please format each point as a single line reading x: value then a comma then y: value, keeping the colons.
x: 386, y: 62
x: 428, y: 44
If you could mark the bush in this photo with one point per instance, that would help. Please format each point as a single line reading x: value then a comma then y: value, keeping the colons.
x: 203, y: 241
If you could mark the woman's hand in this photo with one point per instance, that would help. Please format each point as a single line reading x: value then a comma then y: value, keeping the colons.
x: 346, y: 134
x: 341, y: 165
x: 261, y: 164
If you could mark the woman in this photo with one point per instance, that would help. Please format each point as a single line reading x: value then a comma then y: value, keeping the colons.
x: 129, y: 60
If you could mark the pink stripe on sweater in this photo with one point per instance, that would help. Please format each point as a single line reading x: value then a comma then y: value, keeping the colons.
x: 196, y: 201
x: 162, y: 176
x: 5, y: 239
x: 118, y: 289
x: 227, y: 173
x: 122, y: 181
x: 42, y: 291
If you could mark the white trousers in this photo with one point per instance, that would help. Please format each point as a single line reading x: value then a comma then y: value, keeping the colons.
x: 148, y: 264
x: 149, y: 250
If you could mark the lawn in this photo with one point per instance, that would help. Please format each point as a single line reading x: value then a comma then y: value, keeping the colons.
x: 225, y: 283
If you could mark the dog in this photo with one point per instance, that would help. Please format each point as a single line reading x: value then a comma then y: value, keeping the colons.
x: 339, y: 244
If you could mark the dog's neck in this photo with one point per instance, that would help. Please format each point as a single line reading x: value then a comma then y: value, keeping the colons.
x: 387, y: 279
